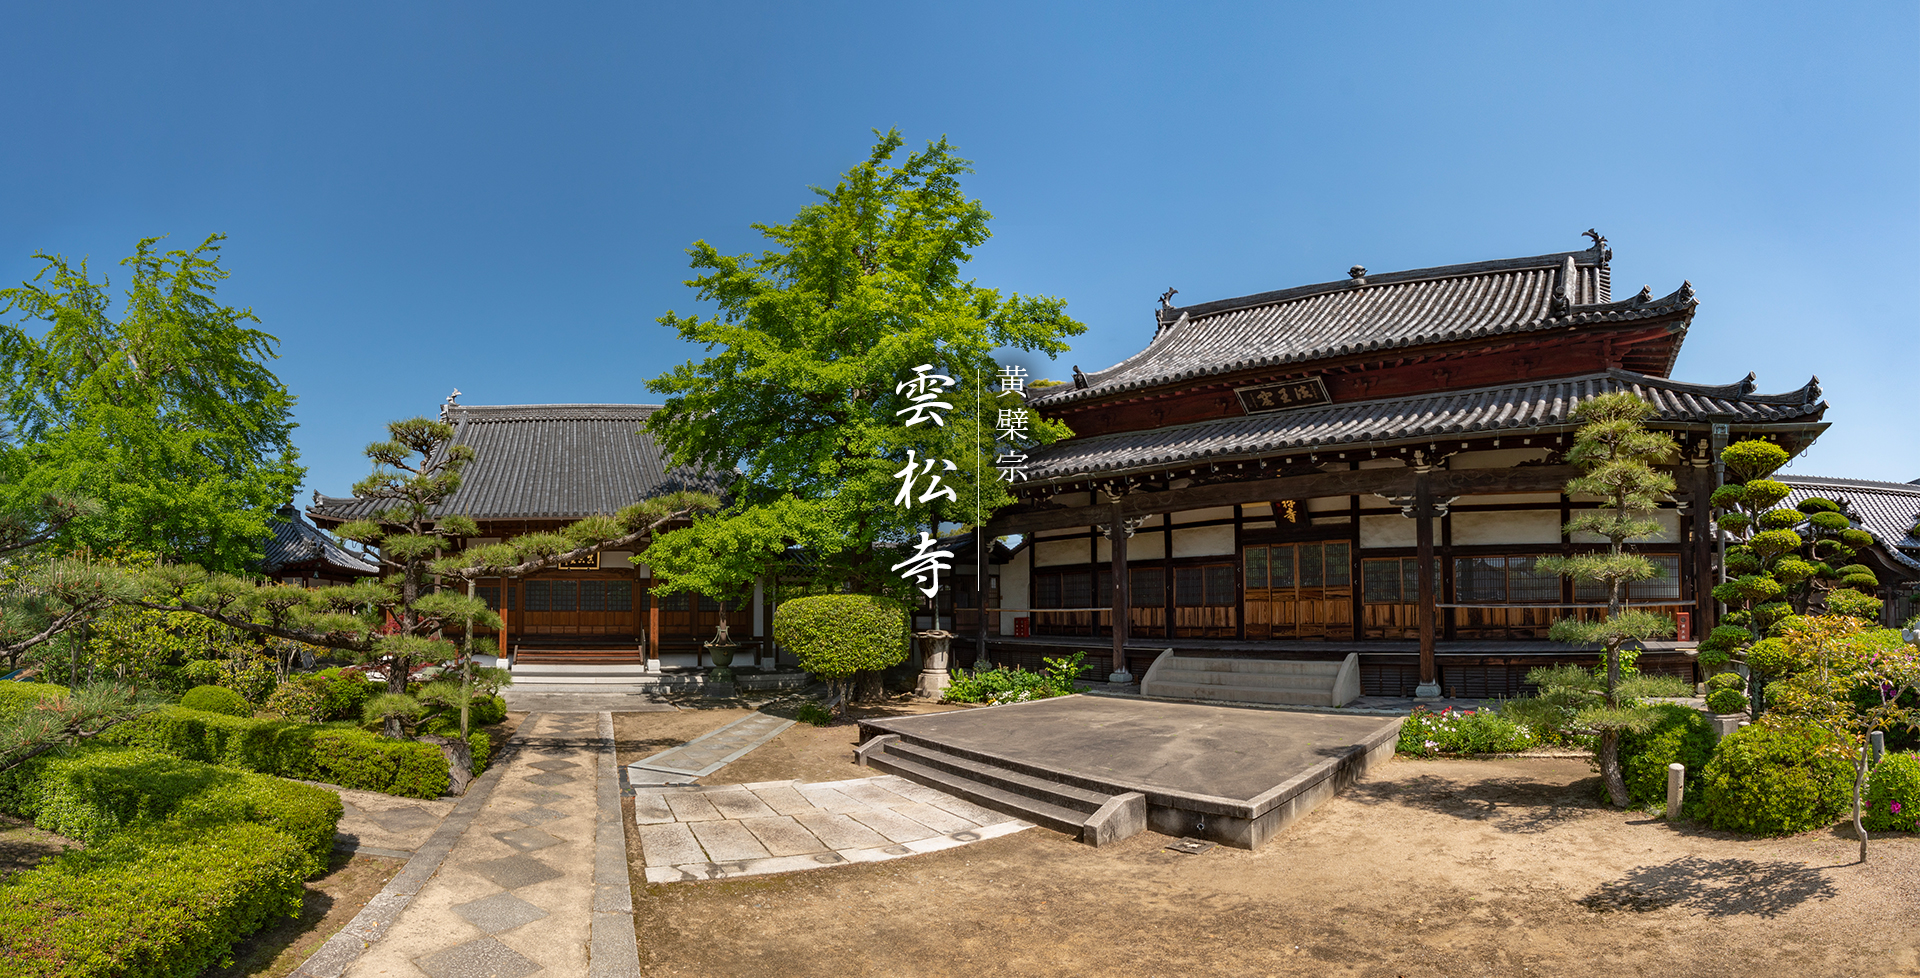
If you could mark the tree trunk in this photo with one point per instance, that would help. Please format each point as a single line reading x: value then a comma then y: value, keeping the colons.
x: 459, y: 762
x: 1609, y: 753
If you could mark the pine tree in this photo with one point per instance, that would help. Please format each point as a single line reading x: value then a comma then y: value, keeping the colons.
x: 1617, y: 455
x: 400, y: 621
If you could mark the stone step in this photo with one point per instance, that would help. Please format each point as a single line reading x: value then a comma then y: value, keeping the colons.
x: 1288, y: 667
x: 1242, y: 694
x: 1026, y: 785
x: 999, y: 799
x: 523, y: 668
x: 1251, y: 680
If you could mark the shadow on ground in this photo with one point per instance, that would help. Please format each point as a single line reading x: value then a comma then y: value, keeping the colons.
x: 1714, y: 887
x: 1519, y: 805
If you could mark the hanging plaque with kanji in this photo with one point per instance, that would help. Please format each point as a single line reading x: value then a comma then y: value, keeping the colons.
x: 1305, y: 392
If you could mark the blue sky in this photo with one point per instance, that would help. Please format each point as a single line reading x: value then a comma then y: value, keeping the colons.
x: 498, y: 197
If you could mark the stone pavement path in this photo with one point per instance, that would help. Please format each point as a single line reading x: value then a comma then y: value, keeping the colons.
x: 723, y: 831
x: 706, y: 753
x: 537, y: 882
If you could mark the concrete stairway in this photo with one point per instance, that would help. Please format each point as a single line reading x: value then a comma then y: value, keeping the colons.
x: 1288, y: 682
x: 1093, y: 816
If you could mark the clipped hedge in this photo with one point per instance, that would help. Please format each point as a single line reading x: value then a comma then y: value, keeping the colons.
x: 158, y: 902
x: 1892, y: 802
x: 99, y: 792
x: 357, y: 759
x: 1777, y: 778
x: 216, y: 699
x: 342, y: 755
x: 17, y: 698
x: 1679, y: 735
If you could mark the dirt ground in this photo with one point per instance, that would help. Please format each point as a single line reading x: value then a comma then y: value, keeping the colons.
x: 22, y: 846
x: 1446, y: 867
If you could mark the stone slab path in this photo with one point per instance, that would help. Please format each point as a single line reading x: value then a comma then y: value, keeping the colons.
x: 706, y: 753
x: 723, y: 831
x: 535, y: 881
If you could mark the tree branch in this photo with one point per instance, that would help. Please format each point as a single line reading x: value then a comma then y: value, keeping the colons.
x: 331, y: 640
x: 555, y: 560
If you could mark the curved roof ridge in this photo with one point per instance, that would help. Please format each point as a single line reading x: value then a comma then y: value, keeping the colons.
x: 1371, y: 280
x: 1905, y: 488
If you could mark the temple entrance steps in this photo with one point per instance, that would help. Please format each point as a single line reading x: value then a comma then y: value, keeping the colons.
x: 548, y: 665
x: 1281, y: 682
x: 1093, y: 816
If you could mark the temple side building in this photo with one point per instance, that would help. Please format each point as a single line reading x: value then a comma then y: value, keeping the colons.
x: 1365, y: 468
x: 1891, y: 512
x: 538, y: 467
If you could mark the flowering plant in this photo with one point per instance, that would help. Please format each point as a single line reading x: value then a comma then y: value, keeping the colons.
x: 1426, y: 733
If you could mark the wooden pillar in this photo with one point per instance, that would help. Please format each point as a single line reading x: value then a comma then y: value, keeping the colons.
x: 1118, y: 532
x: 506, y: 643
x: 1423, y: 537
x: 980, y: 595
x: 653, y: 627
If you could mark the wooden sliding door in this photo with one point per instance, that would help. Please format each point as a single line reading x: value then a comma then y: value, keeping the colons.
x: 1299, y: 590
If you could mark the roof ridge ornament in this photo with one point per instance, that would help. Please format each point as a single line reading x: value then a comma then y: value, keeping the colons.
x: 1600, y: 245
x: 1079, y: 378
x: 1166, y: 298
x: 1358, y: 274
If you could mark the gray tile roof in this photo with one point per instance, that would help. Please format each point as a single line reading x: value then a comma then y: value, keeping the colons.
x: 1390, y: 420
x: 294, y: 541
x: 1376, y: 312
x: 1888, y: 510
x: 549, y: 461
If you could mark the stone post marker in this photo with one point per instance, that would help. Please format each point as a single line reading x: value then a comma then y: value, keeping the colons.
x: 1676, y: 789
x: 933, y: 664
x: 1878, y: 741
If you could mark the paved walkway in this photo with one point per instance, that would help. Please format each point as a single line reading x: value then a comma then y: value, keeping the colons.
x: 528, y: 874
x: 706, y: 753
x: 724, y: 831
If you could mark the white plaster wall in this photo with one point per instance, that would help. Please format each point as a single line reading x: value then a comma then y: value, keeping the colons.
x: 1146, y: 546
x: 1052, y: 553
x: 642, y: 570
x: 1013, y: 592
x: 615, y: 558
x: 1499, y: 458
x: 1669, y: 520
x: 1386, y: 531
x: 1205, y: 541
x: 1381, y: 463
x: 1256, y: 509
x: 1197, y: 515
x: 1525, y: 526
x: 1262, y: 525
x: 1322, y: 504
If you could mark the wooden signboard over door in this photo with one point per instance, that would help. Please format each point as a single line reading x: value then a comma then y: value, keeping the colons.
x: 1299, y: 590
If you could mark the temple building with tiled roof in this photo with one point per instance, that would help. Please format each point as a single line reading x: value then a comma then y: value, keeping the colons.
x: 538, y: 467
x: 1891, y: 512
x: 299, y: 553
x: 1365, y: 471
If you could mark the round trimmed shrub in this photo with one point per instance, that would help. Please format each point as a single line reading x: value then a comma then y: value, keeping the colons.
x: 1679, y: 735
x: 485, y: 710
x: 303, y: 700
x: 1892, y: 803
x: 1726, y: 680
x: 1726, y: 701
x: 1777, y: 778
x: 1832, y: 522
x: 1814, y: 504
x: 216, y: 699
x: 837, y: 635
x: 1782, y: 519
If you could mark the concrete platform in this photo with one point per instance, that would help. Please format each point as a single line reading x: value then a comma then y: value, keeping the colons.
x: 1231, y: 775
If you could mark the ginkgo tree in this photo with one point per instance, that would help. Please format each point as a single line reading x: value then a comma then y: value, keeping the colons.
x: 800, y: 393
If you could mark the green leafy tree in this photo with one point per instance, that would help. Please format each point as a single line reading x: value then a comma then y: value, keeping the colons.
x: 811, y: 339
x: 1780, y: 562
x: 167, y: 413
x: 1859, y: 681
x: 1616, y: 455
x: 400, y: 621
